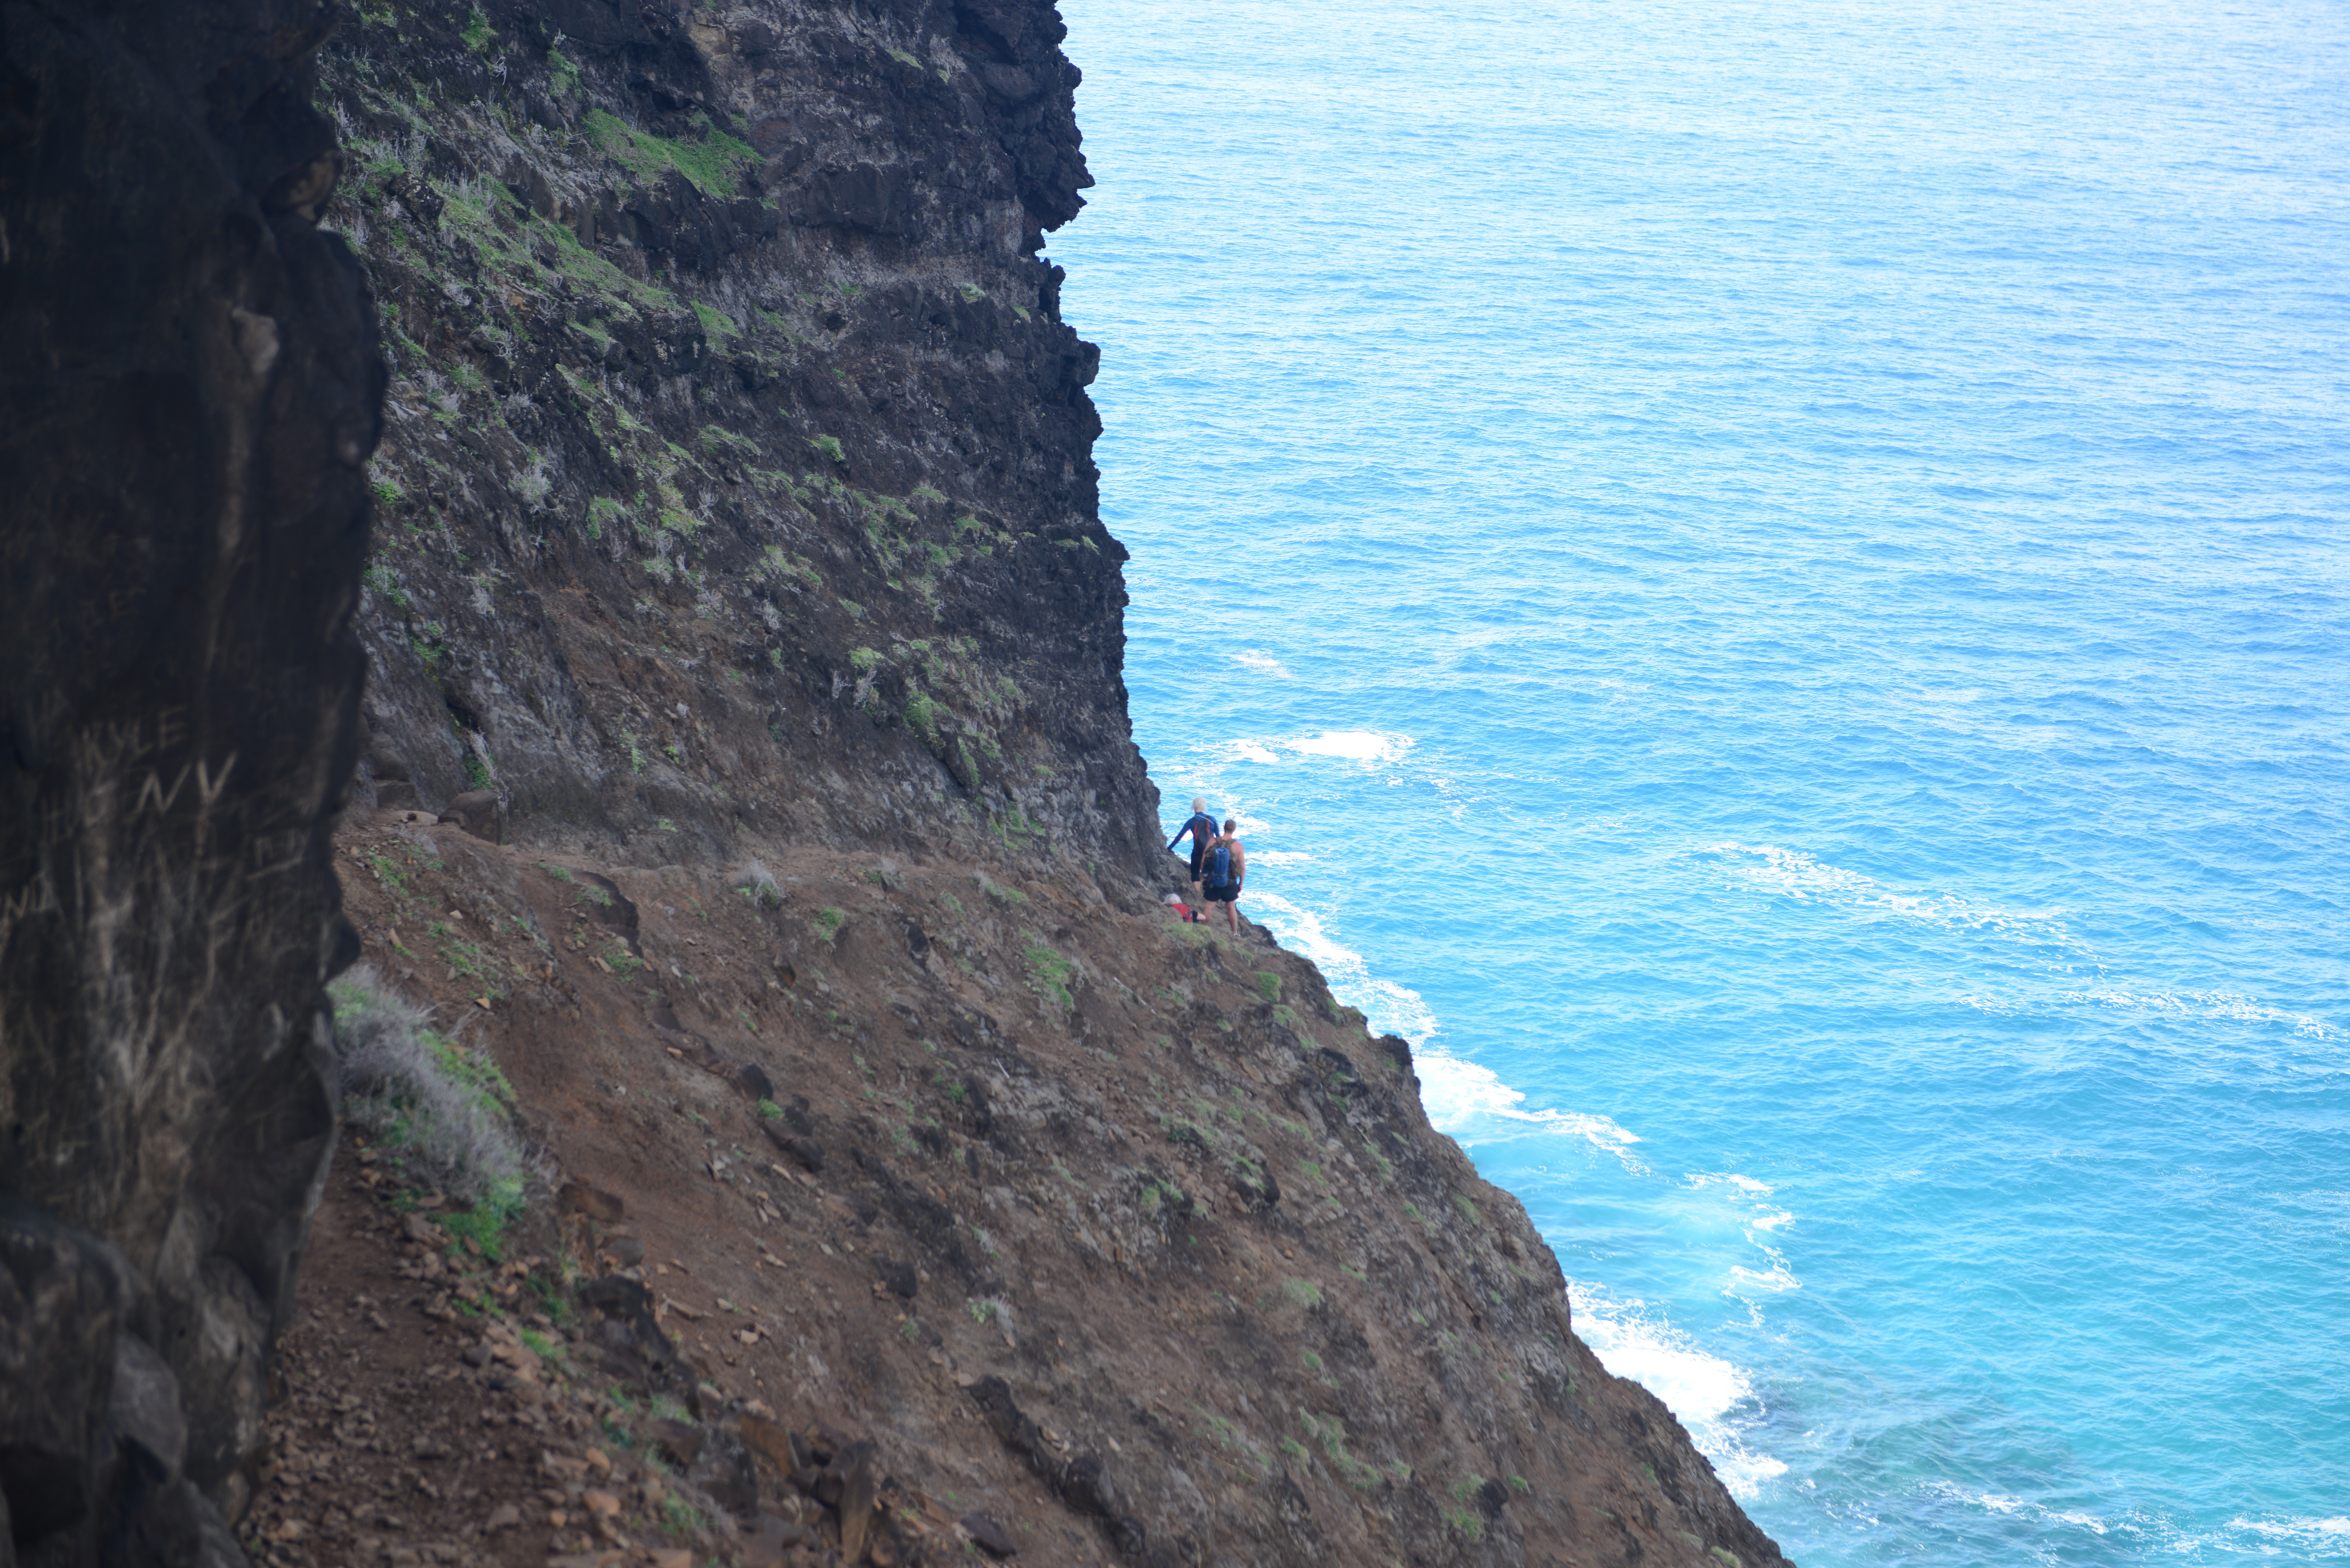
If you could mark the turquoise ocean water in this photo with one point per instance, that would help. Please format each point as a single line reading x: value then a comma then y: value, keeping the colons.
x: 1768, y: 582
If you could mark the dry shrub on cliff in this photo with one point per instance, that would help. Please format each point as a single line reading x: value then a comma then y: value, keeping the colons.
x: 442, y: 1109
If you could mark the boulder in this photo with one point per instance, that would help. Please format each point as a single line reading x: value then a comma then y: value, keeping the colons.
x: 476, y: 812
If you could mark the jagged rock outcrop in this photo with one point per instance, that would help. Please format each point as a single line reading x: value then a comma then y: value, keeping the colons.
x: 738, y: 478
x: 189, y: 391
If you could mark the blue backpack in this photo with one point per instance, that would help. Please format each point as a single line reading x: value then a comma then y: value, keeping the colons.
x: 1216, y: 871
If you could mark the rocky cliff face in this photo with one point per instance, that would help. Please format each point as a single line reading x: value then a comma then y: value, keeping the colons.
x: 189, y: 393
x: 738, y: 476
x: 743, y: 757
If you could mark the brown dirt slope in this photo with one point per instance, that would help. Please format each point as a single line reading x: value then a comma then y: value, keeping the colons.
x: 1119, y: 1233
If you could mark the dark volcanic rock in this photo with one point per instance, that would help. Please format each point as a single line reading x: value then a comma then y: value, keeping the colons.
x: 739, y: 481
x: 189, y: 392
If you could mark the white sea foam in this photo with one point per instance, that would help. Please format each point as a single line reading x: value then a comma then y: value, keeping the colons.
x: 2024, y: 1507
x: 2332, y: 1532
x: 1457, y: 1093
x: 1792, y: 874
x: 1279, y: 857
x: 1774, y: 1281
x: 1391, y: 1008
x: 1712, y: 1396
x: 1263, y: 663
x: 2202, y: 1003
x: 1251, y: 751
x: 1355, y: 745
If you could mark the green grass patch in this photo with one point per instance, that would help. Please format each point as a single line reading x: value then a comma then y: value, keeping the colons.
x: 713, y: 161
x: 716, y: 323
x: 1050, y: 972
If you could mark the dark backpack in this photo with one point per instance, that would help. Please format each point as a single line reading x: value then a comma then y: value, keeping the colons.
x: 1216, y: 871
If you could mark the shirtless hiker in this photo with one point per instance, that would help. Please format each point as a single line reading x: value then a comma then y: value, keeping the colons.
x: 1222, y: 870
x: 1202, y: 829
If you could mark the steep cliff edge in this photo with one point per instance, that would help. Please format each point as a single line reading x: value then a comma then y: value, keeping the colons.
x: 737, y: 480
x: 744, y: 779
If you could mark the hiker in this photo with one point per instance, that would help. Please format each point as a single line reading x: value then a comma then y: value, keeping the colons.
x: 1222, y: 870
x: 1202, y: 829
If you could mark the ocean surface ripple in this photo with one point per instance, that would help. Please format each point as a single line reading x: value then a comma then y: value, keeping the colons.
x: 1767, y: 584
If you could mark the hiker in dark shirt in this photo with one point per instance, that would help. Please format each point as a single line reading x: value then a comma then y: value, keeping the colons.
x: 1202, y: 829
x: 1222, y: 870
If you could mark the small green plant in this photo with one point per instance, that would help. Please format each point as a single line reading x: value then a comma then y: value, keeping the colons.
x: 827, y: 923
x: 910, y: 1332
x: 1268, y: 985
x: 484, y: 1224
x: 829, y: 446
x: 1461, y: 1515
x: 1049, y: 973
x: 562, y: 71
x: 760, y: 887
x: 770, y: 1111
x: 679, y: 1517
x: 443, y: 1109
x: 477, y: 32
x: 981, y: 1312
x: 1305, y: 1293
x: 384, y: 586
